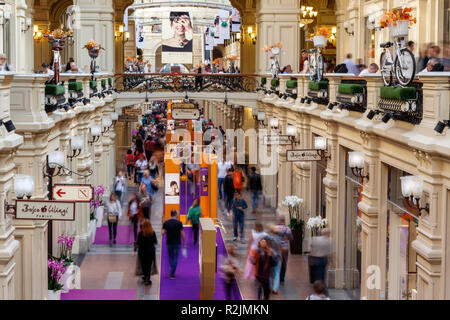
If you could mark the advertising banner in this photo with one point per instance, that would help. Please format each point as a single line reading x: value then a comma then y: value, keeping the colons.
x: 204, y: 181
x: 172, y: 188
x: 177, y: 34
x: 235, y: 20
x: 224, y: 24
x: 140, y: 39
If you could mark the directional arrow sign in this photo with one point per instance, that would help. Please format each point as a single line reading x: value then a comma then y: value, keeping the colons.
x: 73, y: 192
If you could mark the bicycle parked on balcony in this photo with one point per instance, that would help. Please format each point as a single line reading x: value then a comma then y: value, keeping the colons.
x: 397, y: 58
x: 316, y: 63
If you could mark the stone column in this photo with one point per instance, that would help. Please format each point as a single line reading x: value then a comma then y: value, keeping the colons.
x: 9, y: 246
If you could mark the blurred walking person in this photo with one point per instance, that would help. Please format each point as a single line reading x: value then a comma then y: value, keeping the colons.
x: 238, y: 205
x: 255, y: 188
x: 275, y: 244
x: 120, y: 185
x: 319, y: 291
x: 194, y: 215
x: 284, y: 233
x: 134, y: 215
x: 256, y: 234
x: 173, y: 229
x: 114, y: 211
x: 318, y: 256
x: 263, y: 260
x: 238, y: 179
x: 228, y: 188
x: 230, y: 270
x: 146, y: 249
x: 129, y: 160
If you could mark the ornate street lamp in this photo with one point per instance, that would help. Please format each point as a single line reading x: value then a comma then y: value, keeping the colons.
x: 106, y: 124
x: 261, y: 117
x: 291, y: 132
x: 23, y: 187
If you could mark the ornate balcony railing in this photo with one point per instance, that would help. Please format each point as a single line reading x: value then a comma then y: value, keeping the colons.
x: 186, y: 82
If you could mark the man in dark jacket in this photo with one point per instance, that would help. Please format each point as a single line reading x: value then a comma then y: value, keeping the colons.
x: 255, y: 187
x: 228, y: 188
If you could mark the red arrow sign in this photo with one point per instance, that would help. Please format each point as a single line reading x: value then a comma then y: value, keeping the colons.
x: 60, y: 193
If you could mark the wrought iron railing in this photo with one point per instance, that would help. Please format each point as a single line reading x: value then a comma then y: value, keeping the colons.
x: 186, y: 82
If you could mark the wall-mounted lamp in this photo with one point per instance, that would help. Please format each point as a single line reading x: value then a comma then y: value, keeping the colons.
x: 274, y: 124
x: 291, y: 132
x: 37, y: 34
x: 356, y: 163
x: 251, y: 34
x: 23, y: 187
x: 96, y: 132
x: 106, y: 124
x: 349, y: 28
x: 76, y: 144
x: 5, y: 17
x: 255, y: 114
x: 320, y: 144
x: 412, y: 190
x: 28, y: 24
x: 261, y: 117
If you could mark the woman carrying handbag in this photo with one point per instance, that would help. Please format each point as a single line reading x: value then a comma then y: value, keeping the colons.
x: 114, y: 211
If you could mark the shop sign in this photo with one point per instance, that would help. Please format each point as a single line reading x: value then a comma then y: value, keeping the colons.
x: 45, y: 210
x: 276, y: 140
x: 186, y: 114
x: 302, y: 155
x: 129, y: 111
x: 183, y: 106
x: 128, y: 118
x: 73, y: 192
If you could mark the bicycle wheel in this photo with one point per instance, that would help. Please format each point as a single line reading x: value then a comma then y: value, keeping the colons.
x: 320, y: 66
x: 312, y: 67
x: 386, y: 71
x: 405, y: 67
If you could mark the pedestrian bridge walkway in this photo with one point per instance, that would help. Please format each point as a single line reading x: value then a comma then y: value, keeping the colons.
x: 231, y: 89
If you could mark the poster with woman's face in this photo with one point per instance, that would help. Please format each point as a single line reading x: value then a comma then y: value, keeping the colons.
x: 172, y: 188
x: 177, y: 34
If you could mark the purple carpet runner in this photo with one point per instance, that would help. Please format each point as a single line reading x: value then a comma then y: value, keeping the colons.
x: 186, y: 286
x: 125, y: 235
x: 99, y: 295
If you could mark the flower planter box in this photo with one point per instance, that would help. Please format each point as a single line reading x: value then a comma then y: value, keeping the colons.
x: 53, y: 295
x: 93, y: 84
x: 408, y: 93
x: 75, y: 86
x: 54, y: 90
x: 401, y: 30
x: 320, y: 41
x: 297, y: 242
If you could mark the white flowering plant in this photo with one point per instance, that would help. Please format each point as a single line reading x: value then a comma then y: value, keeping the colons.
x: 316, y: 223
x: 294, y: 204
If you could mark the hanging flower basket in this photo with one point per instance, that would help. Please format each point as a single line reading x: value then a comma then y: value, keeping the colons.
x: 93, y: 53
x: 57, y: 44
x: 320, y: 41
x: 401, y: 29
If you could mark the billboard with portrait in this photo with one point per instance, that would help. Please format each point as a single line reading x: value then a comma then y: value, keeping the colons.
x: 172, y: 188
x: 177, y: 38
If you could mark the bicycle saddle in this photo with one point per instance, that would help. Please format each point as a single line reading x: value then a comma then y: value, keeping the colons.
x: 386, y: 44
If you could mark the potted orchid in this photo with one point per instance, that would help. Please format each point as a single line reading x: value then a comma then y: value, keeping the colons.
x: 96, y: 204
x: 65, y: 244
x: 296, y: 224
x: 56, y: 270
x: 315, y: 224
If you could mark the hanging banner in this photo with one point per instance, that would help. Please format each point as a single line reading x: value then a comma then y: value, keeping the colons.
x: 235, y: 20
x: 177, y: 34
x: 140, y: 39
x: 224, y: 24
x: 204, y: 181
x: 172, y: 188
x: 217, y: 36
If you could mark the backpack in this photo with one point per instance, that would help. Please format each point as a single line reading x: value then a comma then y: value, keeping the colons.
x: 341, y: 68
